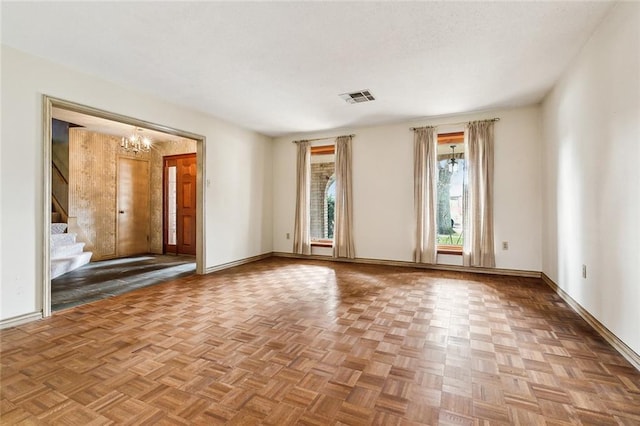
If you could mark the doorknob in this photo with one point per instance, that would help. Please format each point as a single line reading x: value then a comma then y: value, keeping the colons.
x: 121, y: 212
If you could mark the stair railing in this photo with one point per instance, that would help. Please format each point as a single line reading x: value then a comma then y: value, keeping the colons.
x: 59, y: 192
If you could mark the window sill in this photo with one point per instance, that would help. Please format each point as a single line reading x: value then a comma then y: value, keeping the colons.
x: 445, y: 249
x: 322, y: 243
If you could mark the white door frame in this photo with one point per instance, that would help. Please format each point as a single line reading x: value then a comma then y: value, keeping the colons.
x: 48, y: 104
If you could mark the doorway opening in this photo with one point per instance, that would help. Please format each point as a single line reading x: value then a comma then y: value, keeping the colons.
x: 179, y: 189
x: 113, y: 208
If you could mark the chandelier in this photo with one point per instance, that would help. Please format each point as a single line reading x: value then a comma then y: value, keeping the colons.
x: 136, y: 142
x: 453, y: 164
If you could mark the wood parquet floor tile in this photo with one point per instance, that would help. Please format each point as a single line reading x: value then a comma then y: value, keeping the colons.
x: 283, y: 341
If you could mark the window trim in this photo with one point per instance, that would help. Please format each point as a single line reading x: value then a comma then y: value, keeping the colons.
x: 449, y: 249
x: 322, y: 243
x: 450, y: 138
x: 323, y: 150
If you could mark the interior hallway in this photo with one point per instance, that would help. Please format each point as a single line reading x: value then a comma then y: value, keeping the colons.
x: 98, y: 280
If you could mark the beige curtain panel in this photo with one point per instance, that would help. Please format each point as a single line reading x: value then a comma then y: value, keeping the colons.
x: 301, y: 231
x: 478, y: 245
x: 425, y: 194
x: 343, y: 229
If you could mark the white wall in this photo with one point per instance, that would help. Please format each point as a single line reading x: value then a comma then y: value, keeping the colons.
x: 238, y: 164
x: 383, y: 189
x: 591, y: 176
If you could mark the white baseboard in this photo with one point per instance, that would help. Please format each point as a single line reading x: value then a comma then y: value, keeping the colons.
x: 624, y: 350
x: 20, y: 319
x: 237, y: 263
x: 452, y: 268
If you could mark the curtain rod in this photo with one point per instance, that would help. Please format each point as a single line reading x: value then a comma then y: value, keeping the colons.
x: 321, y: 139
x: 453, y: 124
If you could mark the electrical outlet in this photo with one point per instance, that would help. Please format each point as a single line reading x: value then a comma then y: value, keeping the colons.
x: 584, y: 271
x: 288, y: 236
x: 505, y: 245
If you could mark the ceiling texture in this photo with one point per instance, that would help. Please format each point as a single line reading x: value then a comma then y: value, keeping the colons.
x: 110, y: 127
x: 278, y: 68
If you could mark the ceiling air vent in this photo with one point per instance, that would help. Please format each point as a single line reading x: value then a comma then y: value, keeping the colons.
x: 357, y: 97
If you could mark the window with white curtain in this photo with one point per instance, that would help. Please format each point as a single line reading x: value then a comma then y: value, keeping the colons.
x: 323, y: 193
x: 451, y: 189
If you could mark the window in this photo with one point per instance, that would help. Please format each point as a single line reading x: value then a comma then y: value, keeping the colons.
x: 451, y: 192
x: 323, y: 193
x: 330, y: 206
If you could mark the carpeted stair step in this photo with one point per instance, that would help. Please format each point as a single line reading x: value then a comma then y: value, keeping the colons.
x: 66, y: 250
x: 66, y: 253
x: 62, y: 239
x: 58, y: 228
x: 63, y: 265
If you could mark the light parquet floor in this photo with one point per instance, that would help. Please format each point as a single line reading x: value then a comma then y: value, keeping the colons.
x: 284, y: 341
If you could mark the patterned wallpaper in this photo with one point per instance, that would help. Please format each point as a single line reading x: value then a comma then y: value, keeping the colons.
x: 92, y: 187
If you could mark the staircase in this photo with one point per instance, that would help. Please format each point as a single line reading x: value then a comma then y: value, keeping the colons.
x: 66, y: 253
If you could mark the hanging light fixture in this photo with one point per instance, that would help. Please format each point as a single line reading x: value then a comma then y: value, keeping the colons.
x: 136, y: 142
x: 453, y: 164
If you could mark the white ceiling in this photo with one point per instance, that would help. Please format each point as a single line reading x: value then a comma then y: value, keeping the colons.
x: 278, y: 68
x: 109, y: 127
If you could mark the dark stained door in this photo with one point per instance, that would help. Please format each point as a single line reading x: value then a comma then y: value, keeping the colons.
x: 180, y: 204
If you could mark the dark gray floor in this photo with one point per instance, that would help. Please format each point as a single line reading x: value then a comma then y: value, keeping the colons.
x: 99, y: 280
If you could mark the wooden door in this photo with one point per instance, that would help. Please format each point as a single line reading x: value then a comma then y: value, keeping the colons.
x: 133, y: 206
x: 180, y: 204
